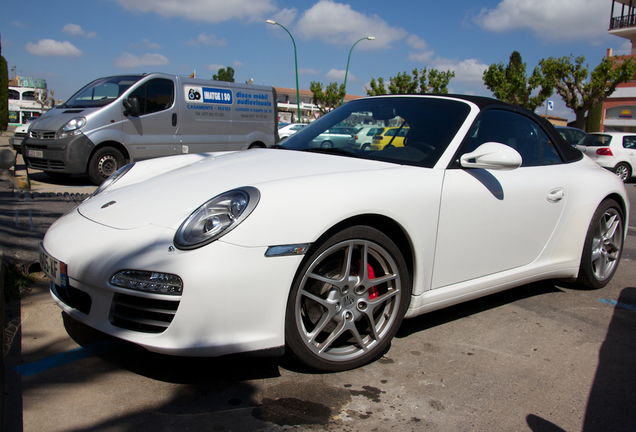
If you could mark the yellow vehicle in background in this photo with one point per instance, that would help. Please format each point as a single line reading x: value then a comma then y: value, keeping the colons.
x: 393, y: 135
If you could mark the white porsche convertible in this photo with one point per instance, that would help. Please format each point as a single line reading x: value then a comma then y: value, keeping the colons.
x: 322, y: 252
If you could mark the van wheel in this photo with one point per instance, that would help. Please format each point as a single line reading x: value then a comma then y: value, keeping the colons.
x: 104, y: 163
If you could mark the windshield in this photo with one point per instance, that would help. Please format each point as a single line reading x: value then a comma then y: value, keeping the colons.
x: 422, y: 128
x: 101, y: 92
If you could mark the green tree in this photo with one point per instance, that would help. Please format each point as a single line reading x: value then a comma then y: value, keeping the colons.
x: 419, y: 82
x: 377, y: 89
x: 581, y: 90
x: 4, y: 93
x: 330, y: 98
x: 224, y: 74
x: 510, y: 83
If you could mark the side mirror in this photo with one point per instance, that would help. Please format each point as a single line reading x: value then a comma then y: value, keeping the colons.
x: 492, y: 155
x: 131, y: 106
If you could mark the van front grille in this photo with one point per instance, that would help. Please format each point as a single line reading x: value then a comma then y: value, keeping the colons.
x: 42, y: 135
x: 44, y: 165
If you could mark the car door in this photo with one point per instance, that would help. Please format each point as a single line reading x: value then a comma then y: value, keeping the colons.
x: 154, y: 132
x: 494, y: 220
x: 629, y: 144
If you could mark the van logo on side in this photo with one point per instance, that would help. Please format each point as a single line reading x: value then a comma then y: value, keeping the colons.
x: 194, y: 95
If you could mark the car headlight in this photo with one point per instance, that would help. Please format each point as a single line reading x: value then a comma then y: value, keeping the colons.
x: 112, y: 179
x: 72, y: 127
x: 216, y: 218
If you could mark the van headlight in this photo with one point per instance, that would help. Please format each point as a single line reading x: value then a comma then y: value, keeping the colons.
x: 216, y: 218
x: 71, y: 128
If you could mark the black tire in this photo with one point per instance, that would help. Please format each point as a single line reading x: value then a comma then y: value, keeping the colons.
x: 335, y: 319
x: 326, y: 145
x: 623, y: 171
x: 366, y: 147
x: 603, y: 246
x: 104, y: 162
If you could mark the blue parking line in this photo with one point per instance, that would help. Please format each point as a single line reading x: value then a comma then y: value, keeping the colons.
x: 33, y: 368
x: 619, y: 304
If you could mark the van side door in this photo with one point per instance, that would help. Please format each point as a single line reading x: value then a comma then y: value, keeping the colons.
x: 153, y: 133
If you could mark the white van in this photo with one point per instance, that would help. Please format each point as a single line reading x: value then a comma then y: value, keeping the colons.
x: 120, y: 119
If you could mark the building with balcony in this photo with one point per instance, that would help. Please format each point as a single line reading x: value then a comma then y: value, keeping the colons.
x: 619, y: 110
x: 288, y: 107
x: 24, y: 93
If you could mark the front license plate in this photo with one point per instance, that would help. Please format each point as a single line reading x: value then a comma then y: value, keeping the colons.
x: 36, y: 153
x: 56, y: 270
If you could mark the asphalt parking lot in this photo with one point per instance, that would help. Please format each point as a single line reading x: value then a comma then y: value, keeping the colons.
x: 541, y: 357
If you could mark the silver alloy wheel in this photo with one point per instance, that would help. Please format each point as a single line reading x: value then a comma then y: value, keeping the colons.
x: 348, y: 300
x: 326, y: 144
x: 607, y: 244
x: 622, y: 171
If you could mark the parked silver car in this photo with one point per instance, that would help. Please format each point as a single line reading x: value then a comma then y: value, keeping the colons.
x: 336, y: 137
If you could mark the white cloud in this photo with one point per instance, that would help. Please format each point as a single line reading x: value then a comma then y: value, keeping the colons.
x: 308, y: 71
x: 130, y: 61
x: 210, y: 11
x: 336, y: 75
x: 423, y: 54
x: 52, y: 48
x: 416, y: 42
x: 18, y: 24
x: 210, y: 40
x: 215, y: 67
x: 237, y: 64
x: 469, y: 70
x: 76, y: 30
x: 285, y: 16
x: 147, y: 44
x: 552, y: 20
x: 337, y: 23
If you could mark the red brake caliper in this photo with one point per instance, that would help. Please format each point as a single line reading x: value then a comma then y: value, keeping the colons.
x: 373, y: 291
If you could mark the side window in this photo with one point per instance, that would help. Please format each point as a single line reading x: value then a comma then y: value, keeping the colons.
x: 517, y: 131
x: 155, y: 95
x: 549, y: 153
x: 629, y: 142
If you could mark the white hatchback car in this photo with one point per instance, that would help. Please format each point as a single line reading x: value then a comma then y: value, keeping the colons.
x: 290, y: 129
x: 364, y: 137
x: 615, y: 151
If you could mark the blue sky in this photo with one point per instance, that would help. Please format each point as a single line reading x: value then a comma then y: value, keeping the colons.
x: 70, y: 43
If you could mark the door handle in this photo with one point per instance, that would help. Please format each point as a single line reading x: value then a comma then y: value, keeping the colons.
x: 174, y: 119
x: 556, y: 195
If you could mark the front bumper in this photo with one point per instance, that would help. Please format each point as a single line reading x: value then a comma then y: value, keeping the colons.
x: 233, y: 299
x: 68, y: 155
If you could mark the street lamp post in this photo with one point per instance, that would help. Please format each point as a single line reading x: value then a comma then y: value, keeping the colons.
x: 295, y: 60
x: 347, y: 70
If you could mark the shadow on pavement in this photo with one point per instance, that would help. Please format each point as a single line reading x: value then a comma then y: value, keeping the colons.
x: 612, y: 400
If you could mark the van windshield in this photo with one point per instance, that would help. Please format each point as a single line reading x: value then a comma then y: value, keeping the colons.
x: 101, y: 92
